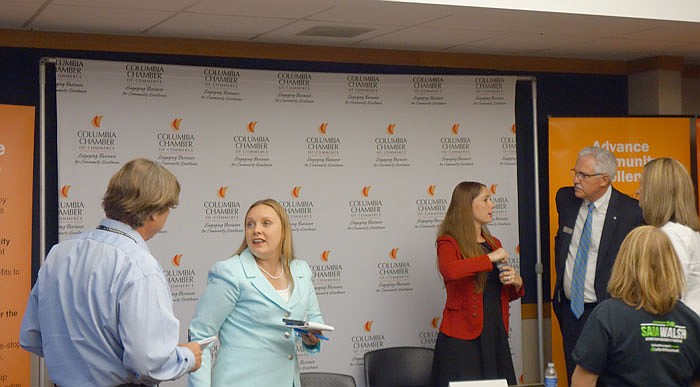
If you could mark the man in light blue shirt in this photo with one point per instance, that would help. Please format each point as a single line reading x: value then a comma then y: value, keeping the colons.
x: 100, y: 312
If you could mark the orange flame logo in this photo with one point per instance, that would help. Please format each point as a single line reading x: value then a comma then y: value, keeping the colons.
x: 176, y: 259
x: 64, y: 191
x: 365, y: 190
x: 431, y: 190
x: 368, y: 326
x: 323, y: 127
x: 221, y: 192
x: 493, y: 188
x: 251, y: 126
x: 434, y: 322
x: 324, y: 255
x: 295, y: 192
x: 390, y: 129
x: 455, y: 129
x: 96, y: 121
x: 175, y: 124
x: 394, y: 253
x: 512, y: 128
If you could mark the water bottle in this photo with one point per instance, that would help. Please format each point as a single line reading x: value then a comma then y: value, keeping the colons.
x: 550, y: 376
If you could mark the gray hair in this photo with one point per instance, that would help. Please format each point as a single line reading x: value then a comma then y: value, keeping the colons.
x: 605, y: 161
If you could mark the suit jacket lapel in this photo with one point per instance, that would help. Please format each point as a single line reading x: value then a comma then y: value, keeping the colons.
x: 609, y: 227
x: 569, y: 215
x: 258, y: 280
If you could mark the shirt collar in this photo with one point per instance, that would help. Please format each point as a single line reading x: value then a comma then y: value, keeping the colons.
x: 602, y: 203
x: 125, y: 228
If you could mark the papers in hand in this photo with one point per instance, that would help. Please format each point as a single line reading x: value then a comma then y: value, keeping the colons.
x: 308, y: 325
x: 205, y: 342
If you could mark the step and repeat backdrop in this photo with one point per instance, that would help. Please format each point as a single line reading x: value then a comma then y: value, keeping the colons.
x: 364, y: 164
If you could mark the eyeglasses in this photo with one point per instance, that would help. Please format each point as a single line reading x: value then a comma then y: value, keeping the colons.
x: 581, y: 175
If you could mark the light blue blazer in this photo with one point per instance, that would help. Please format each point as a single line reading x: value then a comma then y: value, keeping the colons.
x: 245, y: 311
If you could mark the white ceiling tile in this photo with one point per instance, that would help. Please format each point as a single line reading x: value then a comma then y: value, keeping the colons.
x: 592, y: 26
x: 263, y: 8
x: 289, y: 34
x: 382, y: 13
x: 488, y: 19
x: 428, y: 39
x: 529, y: 41
x: 223, y: 27
x: 156, y: 5
x: 97, y: 20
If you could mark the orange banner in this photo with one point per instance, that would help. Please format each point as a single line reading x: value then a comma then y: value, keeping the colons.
x: 634, y: 141
x: 16, y: 167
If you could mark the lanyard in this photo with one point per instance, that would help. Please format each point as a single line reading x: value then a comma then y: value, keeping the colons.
x: 114, y: 230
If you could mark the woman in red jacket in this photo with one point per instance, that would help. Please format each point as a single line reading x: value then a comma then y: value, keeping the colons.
x: 473, y: 339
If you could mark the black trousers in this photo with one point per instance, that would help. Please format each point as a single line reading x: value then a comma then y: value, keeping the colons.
x: 571, y: 328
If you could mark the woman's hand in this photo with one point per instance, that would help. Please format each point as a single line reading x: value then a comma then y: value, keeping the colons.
x: 498, y: 255
x: 509, y: 276
x: 309, y: 338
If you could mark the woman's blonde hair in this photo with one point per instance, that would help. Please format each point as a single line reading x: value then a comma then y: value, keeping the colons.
x: 138, y: 190
x: 287, y: 246
x: 647, y: 273
x: 459, y: 224
x: 667, y: 194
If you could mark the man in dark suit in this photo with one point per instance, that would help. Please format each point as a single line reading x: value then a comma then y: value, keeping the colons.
x: 594, y: 219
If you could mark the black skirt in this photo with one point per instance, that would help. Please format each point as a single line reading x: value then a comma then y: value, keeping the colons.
x: 486, y: 357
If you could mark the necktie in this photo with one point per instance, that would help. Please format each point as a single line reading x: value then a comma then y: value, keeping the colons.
x: 578, y: 278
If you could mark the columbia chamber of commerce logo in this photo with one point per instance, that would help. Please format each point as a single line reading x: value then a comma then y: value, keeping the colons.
x: 96, y: 143
x: 70, y: 212
x: 251, y: 149
x: 455, y: 148
x: 369, y: 339
x: 144, y: 80
x: 501, y: 207
x: 299, y: 210
x: 393, y: 274
x: 323, y: 150
x: 427, y: 337
x: 221, y: 84
x: 176, y: 145
x: 508, y: 145
x: 328, y: 275
x: 428, y: 90
x: 181, y: 279
x: 363, y: 89
x: 294, y: 88
x: 220, y: 213
x: 430, y: 209
x: 69, y: 76
x: 391, y: 149
x: 365, y: 212
x: 488, y: 91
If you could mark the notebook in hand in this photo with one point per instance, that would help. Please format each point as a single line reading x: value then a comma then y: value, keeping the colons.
x: 310, y: 325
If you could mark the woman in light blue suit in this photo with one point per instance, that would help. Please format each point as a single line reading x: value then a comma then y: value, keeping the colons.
x: 247, y: 297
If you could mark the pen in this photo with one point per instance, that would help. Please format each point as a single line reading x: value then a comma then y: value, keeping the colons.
x: 315, y: 334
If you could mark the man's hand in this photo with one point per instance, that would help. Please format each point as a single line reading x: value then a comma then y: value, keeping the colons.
x: 197, y: 350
